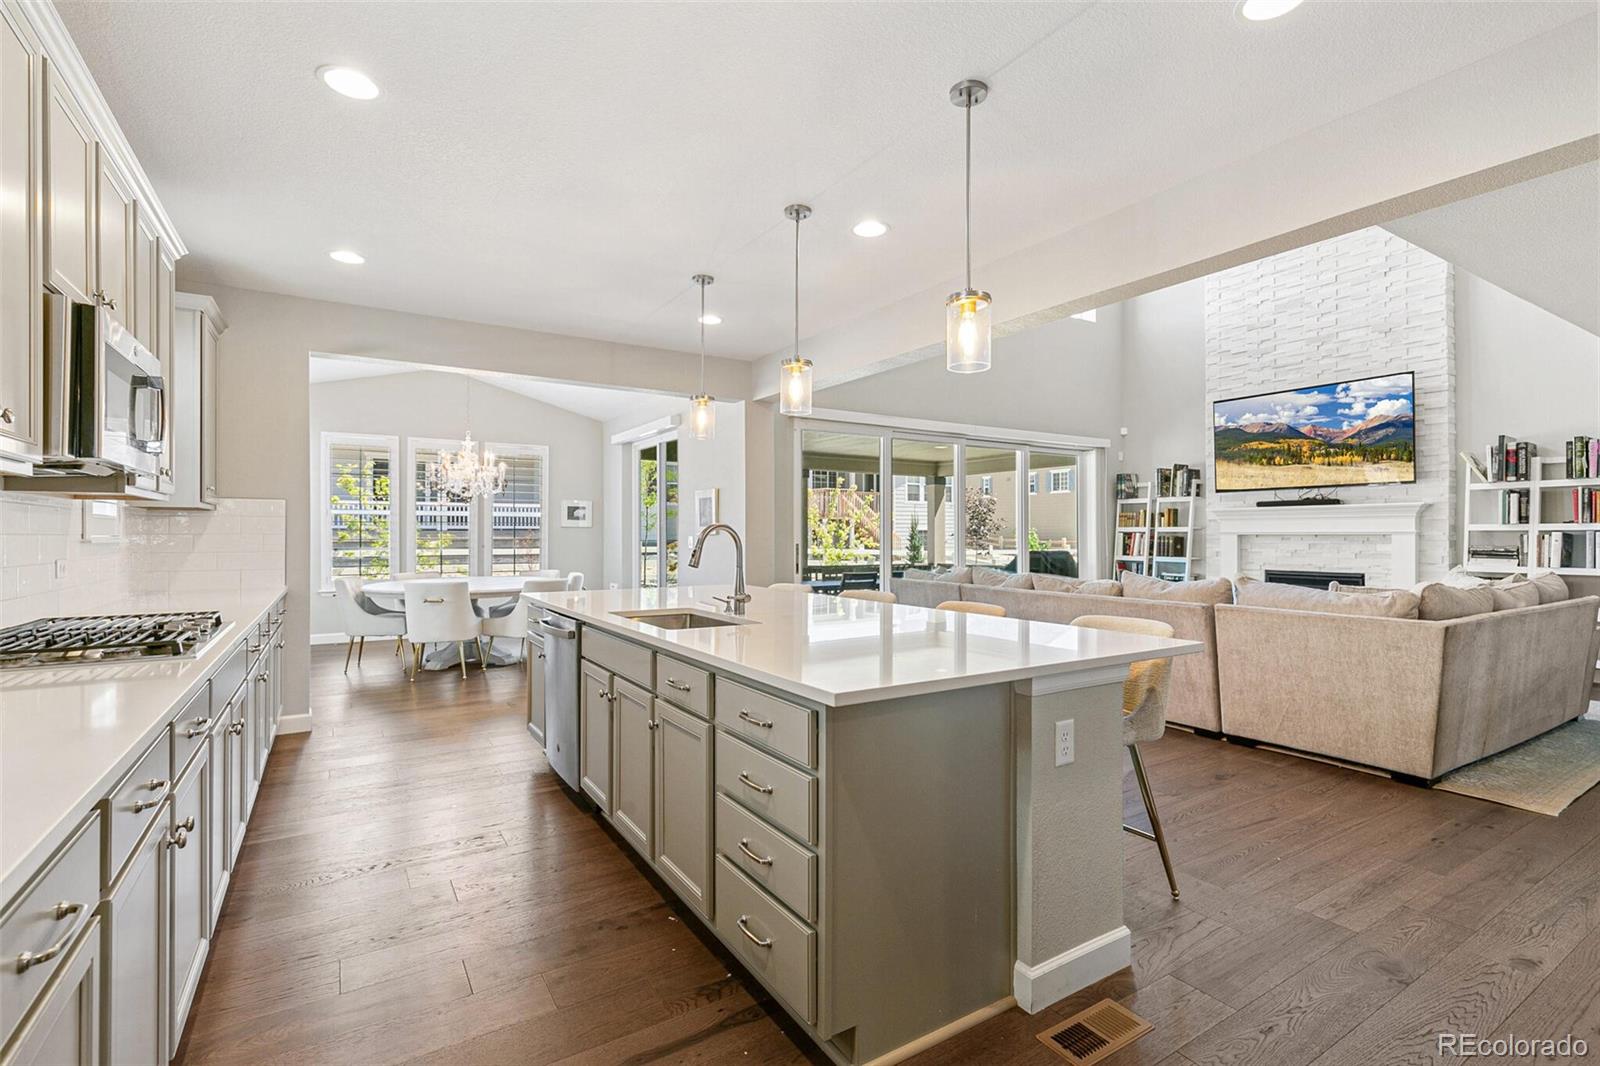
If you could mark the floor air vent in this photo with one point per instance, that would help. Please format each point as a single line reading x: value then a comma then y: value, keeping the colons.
x: 1092, y: 1034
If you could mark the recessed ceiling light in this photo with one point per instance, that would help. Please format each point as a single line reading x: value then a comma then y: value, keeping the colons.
x: 869, y: 227
x: 348, y: 82
x: 346, y: 256
x: 1262, y: 10
x: 709, y: 319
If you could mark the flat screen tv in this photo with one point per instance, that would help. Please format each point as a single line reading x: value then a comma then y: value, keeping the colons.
x: 1349, y: 433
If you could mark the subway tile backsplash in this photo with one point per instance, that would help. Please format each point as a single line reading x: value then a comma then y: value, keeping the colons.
x: 240, y: 545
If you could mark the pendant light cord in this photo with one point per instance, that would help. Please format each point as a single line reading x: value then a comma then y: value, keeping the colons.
x: 702, y: 337
x: 797, y: 287
x: 968, y: 110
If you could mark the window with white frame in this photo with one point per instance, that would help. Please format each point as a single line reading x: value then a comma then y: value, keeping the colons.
x: 515, y: 527
x: 1064, y: 479
x: 357, y: 490
x: 986, y: 485
x: 500, y: 535
x: 1033, y: 483
x: 916, y: 489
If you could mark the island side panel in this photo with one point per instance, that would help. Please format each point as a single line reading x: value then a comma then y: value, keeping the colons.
x: 919, y: 870
x: 1069, y: 846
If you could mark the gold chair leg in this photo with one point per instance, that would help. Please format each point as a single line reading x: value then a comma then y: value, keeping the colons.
x: 483, y: 659
x: 361, y: 649
x: 399, y: 642
x: 348, y: 648
x: 416, y: 660
x: 1158, y: 836
x: 461, y: 650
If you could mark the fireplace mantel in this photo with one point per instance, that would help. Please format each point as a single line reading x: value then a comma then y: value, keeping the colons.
x: 1400, y: 521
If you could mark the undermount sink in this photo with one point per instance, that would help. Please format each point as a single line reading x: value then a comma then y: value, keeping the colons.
x: 678, y: 618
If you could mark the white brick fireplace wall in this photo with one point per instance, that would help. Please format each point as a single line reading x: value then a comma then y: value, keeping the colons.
x: 1361, y: 305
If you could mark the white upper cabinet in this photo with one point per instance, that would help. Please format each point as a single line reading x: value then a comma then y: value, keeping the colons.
x: 114, y: 239
x: 21, y: 369
x: 70, y: 245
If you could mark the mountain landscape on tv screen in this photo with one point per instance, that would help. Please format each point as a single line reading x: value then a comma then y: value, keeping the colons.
x: 1356, y: 432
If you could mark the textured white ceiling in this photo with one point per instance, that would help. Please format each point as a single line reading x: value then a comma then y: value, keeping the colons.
x: 567, y: 167
x: 600, y: 404
x: 1539, y: 240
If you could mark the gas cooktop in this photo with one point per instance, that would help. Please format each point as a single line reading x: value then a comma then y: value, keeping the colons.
x: 107, y: 638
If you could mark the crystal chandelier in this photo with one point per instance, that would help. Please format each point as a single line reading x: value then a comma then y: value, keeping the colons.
x: 466, y: 473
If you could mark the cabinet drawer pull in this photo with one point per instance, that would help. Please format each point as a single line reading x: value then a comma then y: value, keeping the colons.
x: 653, y: 724
x: 280, y: 645
x: 761, y: 723
x: 197, y: 727
x: 744, y: 846
x: 252, y: 649
x: 744, y: 927
x: 156, y: 785
x: 765, y: 790
x: 178, y: 838
x: 29, y: 959
x: 7, y: 416
x: 433, y: 599
x: 263, y: 677
x: 236, y: 728
x: 673, y: 682
x: 187, y: 825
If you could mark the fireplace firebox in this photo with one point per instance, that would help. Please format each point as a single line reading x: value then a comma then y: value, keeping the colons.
x: 1315, y: 579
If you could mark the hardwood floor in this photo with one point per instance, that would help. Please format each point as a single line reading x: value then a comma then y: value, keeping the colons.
x: 417, y: 887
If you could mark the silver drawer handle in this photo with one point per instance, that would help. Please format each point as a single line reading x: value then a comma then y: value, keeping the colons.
x: 433, y: 599
x: 7, y: 416
x: 744, y: 928
x: 673, y: 682
x: 157, y: 785
x: 178, y: 839
x: 753, y: 720
x: 744, y: 846
x: 653, y: 724
x: 197, y: 727
x: 765, y: 790
x: 252, y: 650
x: 236, y: 728
x: 263, y: 676
x: 33, y: 958
x: 187, y: 825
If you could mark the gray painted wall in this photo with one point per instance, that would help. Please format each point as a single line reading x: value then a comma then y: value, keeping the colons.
x: 435, y: 404
x: 1163, y: 380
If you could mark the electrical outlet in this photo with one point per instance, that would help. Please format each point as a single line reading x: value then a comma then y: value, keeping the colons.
x: 61, y: 569
x: 1064, y: 745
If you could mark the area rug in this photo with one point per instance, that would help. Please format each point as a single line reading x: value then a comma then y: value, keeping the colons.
x: 1542, y: 775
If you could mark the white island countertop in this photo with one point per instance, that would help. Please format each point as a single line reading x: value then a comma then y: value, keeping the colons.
x: 838, y: 652
x: 67, y: 734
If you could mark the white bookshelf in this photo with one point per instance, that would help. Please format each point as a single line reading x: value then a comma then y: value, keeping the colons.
x: 1137, y: 562
x: 1187, y: 524
x: 1480, y: 511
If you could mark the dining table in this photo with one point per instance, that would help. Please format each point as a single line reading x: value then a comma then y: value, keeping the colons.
x: 486, y: 591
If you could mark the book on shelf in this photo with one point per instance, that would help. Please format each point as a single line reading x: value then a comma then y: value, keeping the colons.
x: 1585, y: 505
x: 1133, y: 542
x: 1179, y: 479
x: 1511, y: 459
x: 1515, y: 505
x: 1578, y: 550
x: 1583, y: 457
x: 1133, y: 519
x: 1172, y: 545
x: 1477, y: 467
x: 1128, y: 487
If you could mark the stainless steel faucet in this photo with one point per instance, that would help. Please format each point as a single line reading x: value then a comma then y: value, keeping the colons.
x: 732, y: 604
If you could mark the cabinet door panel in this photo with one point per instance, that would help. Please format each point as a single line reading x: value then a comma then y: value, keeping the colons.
x: 208, y: 411
x: 216, y: 822
x: 635, y: 783
x: 536, y: 693
x: 66, y: 1030
x: 21, y: 241
x: 142, y: 306
x: 114, y: 232
x: 136, y: 993
x: 594, y: 736
x: 683, y: 805
x: 69, y: 193
x: 190, y: 915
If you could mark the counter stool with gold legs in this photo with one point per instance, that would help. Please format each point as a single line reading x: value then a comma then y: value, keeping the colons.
x: 1144, y: 716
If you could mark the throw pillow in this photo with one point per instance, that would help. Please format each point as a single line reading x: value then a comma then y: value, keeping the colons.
x: 1514, y: 592
x: 1213, y: 591
x: 1551, y: 588
x: 1252, y: 593
x: 1081, y: 586
x: 1442, y: 602
x: 1018, y: 581
x: 983, y: 575
x: 923, y: 575
x: 1461, y: 579
x: 961, y: 575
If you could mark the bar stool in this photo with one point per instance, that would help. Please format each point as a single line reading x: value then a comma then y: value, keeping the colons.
x: 867, y: 594
x: 1144, y: 716
x: 972, y: 607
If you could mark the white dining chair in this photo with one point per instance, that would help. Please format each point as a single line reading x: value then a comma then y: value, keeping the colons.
x: 575, y: 581
x: 511, y: 619
x: 363, y: 618
x: 439, y: 611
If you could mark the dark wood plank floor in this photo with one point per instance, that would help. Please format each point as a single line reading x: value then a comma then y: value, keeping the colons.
x: 416, y: 887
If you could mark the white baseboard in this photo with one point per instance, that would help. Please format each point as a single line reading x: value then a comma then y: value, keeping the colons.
x: 1036, y: 987
x: 294, y: 723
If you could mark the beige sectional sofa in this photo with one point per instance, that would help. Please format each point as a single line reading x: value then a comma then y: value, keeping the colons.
x: 1414, y: 696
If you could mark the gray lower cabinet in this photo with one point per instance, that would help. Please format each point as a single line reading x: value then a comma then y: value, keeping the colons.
x: 137, y: 921
x: 594, y: 735
x: 536, y: 693
x: 237, y: 773
x: 65, y: 1030
x: 634, y: 786
x: 217, y: 824
x: 683, y: 804
x: 187, y: 845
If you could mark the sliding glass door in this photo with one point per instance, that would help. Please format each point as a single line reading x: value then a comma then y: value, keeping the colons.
x: 655, y: 467
x: 923, y: 474
x: 840, y: 479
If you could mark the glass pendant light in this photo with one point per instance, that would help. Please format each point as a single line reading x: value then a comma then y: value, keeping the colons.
x: 966, y: 313
x: 794, y: 376
x: 702, y: 413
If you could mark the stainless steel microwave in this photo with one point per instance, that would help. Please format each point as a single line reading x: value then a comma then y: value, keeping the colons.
x: 106, y: 401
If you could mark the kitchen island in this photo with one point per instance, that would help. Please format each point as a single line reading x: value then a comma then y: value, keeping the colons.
x: 862, y: 801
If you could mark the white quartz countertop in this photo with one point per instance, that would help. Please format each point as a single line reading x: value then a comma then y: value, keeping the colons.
x: 838, y: 652
x: 68, y: 734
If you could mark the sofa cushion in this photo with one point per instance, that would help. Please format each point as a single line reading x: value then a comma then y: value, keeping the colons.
x: 1018, y: 581
x: 1397, y: 604
x: 984, y: 575
x: 1080, y: 585
x: 1462, y: 579
x: 1551, y: 588
x: 1514, y: 592
x: 1442, y: 602
x: 924, y: 575
x: 1213, y: 591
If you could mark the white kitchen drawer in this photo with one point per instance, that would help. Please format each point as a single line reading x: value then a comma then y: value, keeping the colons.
x: 789, y: 730
x: 768, y: 940
x: 776, y: 791
x: 768, y: 858
x: 44, y: 921
x: 132, y: 805
x: 683, y: 685
x: 618, y: 656
x: 191, y: 727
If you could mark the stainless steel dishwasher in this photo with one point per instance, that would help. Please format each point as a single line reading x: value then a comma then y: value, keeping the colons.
x: 561, y: 694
